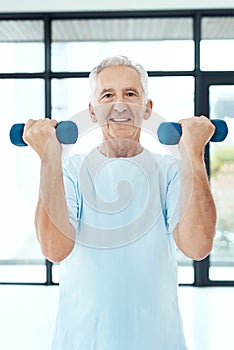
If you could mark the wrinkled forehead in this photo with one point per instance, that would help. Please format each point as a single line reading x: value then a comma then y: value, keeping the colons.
x: 121, y: 77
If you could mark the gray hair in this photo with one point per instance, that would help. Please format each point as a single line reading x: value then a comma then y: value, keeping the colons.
x: 117, y: 61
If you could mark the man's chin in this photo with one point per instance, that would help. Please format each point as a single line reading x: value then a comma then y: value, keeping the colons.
x: 125, y: 132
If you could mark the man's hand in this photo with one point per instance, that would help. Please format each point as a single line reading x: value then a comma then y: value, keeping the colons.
x: 196, y: 133
x: 40, y: 135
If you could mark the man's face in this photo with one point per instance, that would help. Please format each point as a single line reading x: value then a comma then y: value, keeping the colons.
x: 119, y: 104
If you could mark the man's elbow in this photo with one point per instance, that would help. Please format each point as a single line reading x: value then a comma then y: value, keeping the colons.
x: 56, y: 255
x: 55, y: 249
x: 55, y: 246
x: 200, y: 252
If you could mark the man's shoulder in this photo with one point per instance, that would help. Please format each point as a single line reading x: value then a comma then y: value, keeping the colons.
x: 73, y: 163
x: 164, y: 159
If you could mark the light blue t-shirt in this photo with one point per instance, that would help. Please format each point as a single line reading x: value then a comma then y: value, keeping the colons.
x: 118, y: 286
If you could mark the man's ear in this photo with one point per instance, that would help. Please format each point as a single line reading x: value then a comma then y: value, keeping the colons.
x: 92, y: 113
x: 148, y: 110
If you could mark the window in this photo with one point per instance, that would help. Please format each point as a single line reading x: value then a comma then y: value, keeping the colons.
x: 79, y: 44
x: 45, y: 60
x: 21, y: 259
x: 217, y: 45
x: 21, y: 46
x: 222, y: 184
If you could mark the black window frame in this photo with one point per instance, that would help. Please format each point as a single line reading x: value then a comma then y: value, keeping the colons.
x: 202, y: 81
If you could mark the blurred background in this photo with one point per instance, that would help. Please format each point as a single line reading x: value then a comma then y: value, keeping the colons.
x: 47, y: 50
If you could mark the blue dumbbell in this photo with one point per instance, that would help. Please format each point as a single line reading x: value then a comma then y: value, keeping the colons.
x: 170, y: 133
x: 66, y: 132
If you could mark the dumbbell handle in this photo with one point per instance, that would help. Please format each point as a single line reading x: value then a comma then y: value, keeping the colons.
x: 66, y: 132
x: 170, y: 133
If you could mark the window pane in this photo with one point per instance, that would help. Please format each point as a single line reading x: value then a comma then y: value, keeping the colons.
x: 217, y: 45
x: 222, y: 184
x: 55, y: 272
x: 158, y: 44
x: 69, y: 97
x: 17, y: 271
x: 21, y: 99
x: 70, y: 100
x: 173, y: 97
x: 21, y: 46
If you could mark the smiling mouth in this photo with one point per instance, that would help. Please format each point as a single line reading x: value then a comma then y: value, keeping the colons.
x: 120, y: 120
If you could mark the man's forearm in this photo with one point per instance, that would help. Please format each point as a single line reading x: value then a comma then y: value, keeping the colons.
x: 195, y: 232
x: 55, y: 233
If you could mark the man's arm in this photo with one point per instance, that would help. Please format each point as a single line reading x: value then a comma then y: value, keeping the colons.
x: 194, y: 233
x: 55, y: 233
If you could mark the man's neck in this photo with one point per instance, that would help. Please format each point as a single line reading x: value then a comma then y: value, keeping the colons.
x: 120, y: 148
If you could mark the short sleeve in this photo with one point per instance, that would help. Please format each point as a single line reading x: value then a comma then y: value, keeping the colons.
x: 70, y: 180
x: 172, y: 205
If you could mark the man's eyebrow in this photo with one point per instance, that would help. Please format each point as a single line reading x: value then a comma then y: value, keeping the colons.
x: 131, y: 89
x: 106, y: 90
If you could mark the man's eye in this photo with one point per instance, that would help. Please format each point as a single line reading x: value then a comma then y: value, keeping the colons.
x: 109, y: 95
x: 131, y: 94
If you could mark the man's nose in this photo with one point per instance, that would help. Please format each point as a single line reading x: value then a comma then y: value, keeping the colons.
x: 120, y: 107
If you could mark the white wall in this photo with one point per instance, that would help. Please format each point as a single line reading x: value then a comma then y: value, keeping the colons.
x: 102, y: 5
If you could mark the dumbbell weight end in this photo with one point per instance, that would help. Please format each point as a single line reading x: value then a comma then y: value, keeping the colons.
x: 170, y: 133
x: 66, y: 132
